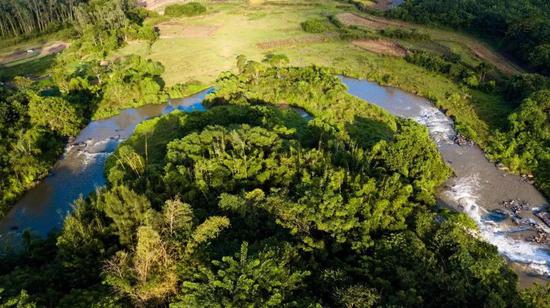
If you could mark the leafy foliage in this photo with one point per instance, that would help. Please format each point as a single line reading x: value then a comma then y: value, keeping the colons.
x: 250, y: 204
x: 187, y: 9
x: 316, y: 25
x: 525, y: 146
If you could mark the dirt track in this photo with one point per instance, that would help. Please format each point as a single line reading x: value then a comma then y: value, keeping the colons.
x: 479, y: 49
x: 295, y: 41
x: 384, y: 47
x: 34, y: 52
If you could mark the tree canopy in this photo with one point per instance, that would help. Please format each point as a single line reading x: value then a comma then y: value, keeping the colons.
x: 250, y: 204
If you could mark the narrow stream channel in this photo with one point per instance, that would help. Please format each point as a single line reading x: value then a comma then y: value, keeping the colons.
x: 477, y: 188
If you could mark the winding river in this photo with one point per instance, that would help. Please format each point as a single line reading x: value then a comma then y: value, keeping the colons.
x: 478, y: 187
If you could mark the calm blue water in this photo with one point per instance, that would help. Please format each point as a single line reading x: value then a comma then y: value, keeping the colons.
x: 80, y: 171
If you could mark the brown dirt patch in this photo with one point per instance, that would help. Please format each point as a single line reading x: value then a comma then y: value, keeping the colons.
x: 32, y: 52
x: 383, y: 47
x: 479, y: 49
x: 373, y: 22
x: 494, y: 58
x: 295, y: 41
x: 179, y: 30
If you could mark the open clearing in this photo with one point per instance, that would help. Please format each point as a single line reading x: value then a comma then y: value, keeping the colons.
x: 274, y: 27
x: 201, y: 47
x: 30, y: 53
x: 294, y: 41
x: 175, y: 29
x: 384, y: 47
x: 469, y: 48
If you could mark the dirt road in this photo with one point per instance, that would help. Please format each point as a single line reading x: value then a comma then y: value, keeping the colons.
x: 34, y: 52
x: 479, y: 49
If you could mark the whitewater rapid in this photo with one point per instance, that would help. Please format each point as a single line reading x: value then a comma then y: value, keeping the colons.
x: 477, y: 186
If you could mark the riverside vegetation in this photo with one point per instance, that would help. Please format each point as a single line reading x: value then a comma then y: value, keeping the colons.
x: 249, y: 203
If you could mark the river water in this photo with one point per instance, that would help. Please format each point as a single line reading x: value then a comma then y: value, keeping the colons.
x: 477, y: 188
x: 80, y: 171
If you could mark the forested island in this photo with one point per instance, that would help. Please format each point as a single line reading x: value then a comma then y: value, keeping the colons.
x: 282, y: 189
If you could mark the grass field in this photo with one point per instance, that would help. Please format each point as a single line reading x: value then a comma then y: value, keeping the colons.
x: 240, y: 29
x: 207, y: 45
x: 200, y: 48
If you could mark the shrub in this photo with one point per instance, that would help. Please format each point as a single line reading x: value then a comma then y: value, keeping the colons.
x: 188, y: 9
x: 315, y: 25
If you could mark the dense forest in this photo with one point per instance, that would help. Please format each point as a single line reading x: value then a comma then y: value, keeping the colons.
x: 249, y: 204
x: 23, y: 17
x: 521, y: 27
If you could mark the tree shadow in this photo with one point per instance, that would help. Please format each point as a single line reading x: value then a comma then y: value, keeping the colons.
x: 367, y: 131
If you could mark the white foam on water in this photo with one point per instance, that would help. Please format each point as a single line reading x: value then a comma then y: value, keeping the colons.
x: 97, y: 149
x: 464, y: 192
x: 89, y: 158
x: 441, y: 128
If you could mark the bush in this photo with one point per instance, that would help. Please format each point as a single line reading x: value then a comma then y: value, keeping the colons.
x: 185, y: 89
x: 188, y: 9
x: 315, y: 25
x: 405, y: 34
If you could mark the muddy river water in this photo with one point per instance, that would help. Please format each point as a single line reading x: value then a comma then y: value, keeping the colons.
x: 478, y: 188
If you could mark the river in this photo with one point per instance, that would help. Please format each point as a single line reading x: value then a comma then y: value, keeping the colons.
x: 477, y: 188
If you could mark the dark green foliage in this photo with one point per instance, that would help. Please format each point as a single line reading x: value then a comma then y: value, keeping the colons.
x: 265, y: 279
x: 405, y: 34
x: 132, y: 82
x: 32, y: 129
x: 54, y: 113
x: 249, y: 204
x: 104, y: 25
x: 187, y: 9
x: 522, y: 27
x: 525, y: 146
x: 519, y: 87
x: 449, y: 65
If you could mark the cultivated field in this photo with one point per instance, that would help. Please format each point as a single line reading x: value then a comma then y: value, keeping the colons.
x: 442, y: 41
x: 384, y: 47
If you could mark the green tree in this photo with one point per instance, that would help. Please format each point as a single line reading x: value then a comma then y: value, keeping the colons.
x: 54, y: 113
x: 263, y: 280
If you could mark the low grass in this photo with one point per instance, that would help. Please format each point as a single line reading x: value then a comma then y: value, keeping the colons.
x: 242, y: 29
x: 35, y: 67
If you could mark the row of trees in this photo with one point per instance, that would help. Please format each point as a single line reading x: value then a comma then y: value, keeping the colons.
x: 20, y: 17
